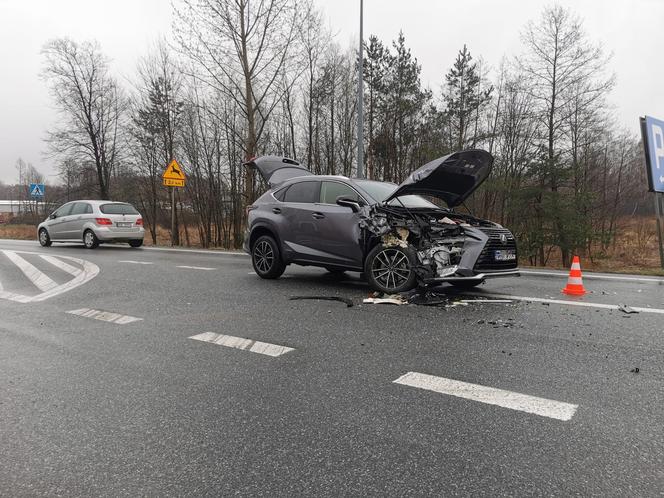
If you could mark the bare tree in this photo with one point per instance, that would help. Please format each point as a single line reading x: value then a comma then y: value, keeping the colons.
x: 566, y: 73
x: 90, y: 104
x: 242, y: 47
x: 562, y: 66
x: 156, y: 111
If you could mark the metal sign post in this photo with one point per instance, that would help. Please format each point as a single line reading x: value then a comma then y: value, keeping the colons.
x: 659, y: 212
x: 652, y: 131
x: 360, y: 100
x: 173, y: 177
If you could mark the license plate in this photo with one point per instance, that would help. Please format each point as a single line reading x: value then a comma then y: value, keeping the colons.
x: 124, y: 224
x: 505, y: 255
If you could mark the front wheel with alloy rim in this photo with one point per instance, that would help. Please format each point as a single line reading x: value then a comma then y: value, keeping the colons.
x: 44, y: 238
x: 90, y: 239
x: 389, y: 269
x: 266, y: 258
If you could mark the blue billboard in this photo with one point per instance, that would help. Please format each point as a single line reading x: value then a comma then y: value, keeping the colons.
x: 653, y: 141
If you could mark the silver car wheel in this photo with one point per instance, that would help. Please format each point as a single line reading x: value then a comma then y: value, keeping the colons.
x: 89, y: 239
x: 263, y: 256
x: 391, y: 268
x: 43, y: 237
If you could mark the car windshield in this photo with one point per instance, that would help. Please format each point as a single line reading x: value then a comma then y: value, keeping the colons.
x: 117, y: 209
x: 382, y: 190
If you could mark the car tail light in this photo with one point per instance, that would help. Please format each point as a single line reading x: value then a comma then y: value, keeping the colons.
x: 139, y: 222
x: 103, y: 221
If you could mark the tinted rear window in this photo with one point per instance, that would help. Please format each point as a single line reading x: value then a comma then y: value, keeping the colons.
x: 302, y: 192
x: 117, y: 209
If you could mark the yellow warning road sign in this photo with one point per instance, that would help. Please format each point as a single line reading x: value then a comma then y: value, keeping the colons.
x: 174, y: 176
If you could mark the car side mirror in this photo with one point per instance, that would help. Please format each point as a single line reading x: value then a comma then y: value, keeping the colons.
x: 53, y: 216
x: 348, y: 202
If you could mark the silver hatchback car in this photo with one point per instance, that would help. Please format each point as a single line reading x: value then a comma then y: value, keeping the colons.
x: 93, y: 223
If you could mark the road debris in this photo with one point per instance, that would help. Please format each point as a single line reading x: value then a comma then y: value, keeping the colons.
x: 626, y: 309
x: 635, y: 370
x: 347, y: 302
x: 389, y: 299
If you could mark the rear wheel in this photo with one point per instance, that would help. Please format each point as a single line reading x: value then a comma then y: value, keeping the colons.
x: 136, y: 243
x: 44, y: 238
x: 390, y: 269
x: 266, y: 258
x: 90, y: 239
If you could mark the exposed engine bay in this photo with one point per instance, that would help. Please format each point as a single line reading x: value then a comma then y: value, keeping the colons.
x: 439, y: 237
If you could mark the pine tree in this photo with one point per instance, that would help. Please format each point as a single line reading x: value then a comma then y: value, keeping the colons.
x: 464, y: 98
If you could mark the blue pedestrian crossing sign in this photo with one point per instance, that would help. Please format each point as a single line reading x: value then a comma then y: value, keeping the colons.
x: 37, y: 190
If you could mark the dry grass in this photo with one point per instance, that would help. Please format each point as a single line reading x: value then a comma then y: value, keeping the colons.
x: 21, y: 232
x: 634, y: 250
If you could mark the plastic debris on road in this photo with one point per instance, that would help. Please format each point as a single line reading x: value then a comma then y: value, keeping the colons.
x: 346, y: 301
x: 626, y: 309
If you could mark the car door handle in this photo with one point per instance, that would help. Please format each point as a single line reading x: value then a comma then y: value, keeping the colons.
x: 318, y: 216
x: 276, y: 210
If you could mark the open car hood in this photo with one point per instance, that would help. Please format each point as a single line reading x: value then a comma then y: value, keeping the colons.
x: 450, y: 178
x: 275, y: 170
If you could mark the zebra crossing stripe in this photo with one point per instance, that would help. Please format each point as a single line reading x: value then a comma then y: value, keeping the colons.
x: 72, y: 270
x: 82, y: 274
x: 40, y: 280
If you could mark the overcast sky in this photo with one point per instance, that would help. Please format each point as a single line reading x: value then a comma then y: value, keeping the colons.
x: 434, y: 29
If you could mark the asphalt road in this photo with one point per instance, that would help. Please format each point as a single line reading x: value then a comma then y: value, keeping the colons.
x: 116, y: 399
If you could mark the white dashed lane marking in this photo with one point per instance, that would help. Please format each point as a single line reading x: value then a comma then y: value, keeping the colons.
x: 490, y: 395
x: 135, y: 262
x: 196, y: 267
x: 242, y: 343
x: 105, y: 316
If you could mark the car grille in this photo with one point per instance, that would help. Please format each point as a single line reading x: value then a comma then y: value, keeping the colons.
x: 486, y: 260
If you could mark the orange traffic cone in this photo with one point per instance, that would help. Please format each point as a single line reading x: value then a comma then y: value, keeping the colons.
x: 574, y: 285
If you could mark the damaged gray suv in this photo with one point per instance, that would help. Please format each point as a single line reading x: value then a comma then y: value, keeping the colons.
x: 397, y: 238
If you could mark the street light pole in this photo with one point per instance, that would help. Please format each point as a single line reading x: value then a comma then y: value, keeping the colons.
x: 360, y: 101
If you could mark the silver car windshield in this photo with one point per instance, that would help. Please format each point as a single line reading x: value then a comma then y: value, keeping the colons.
x: 382, y: 190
